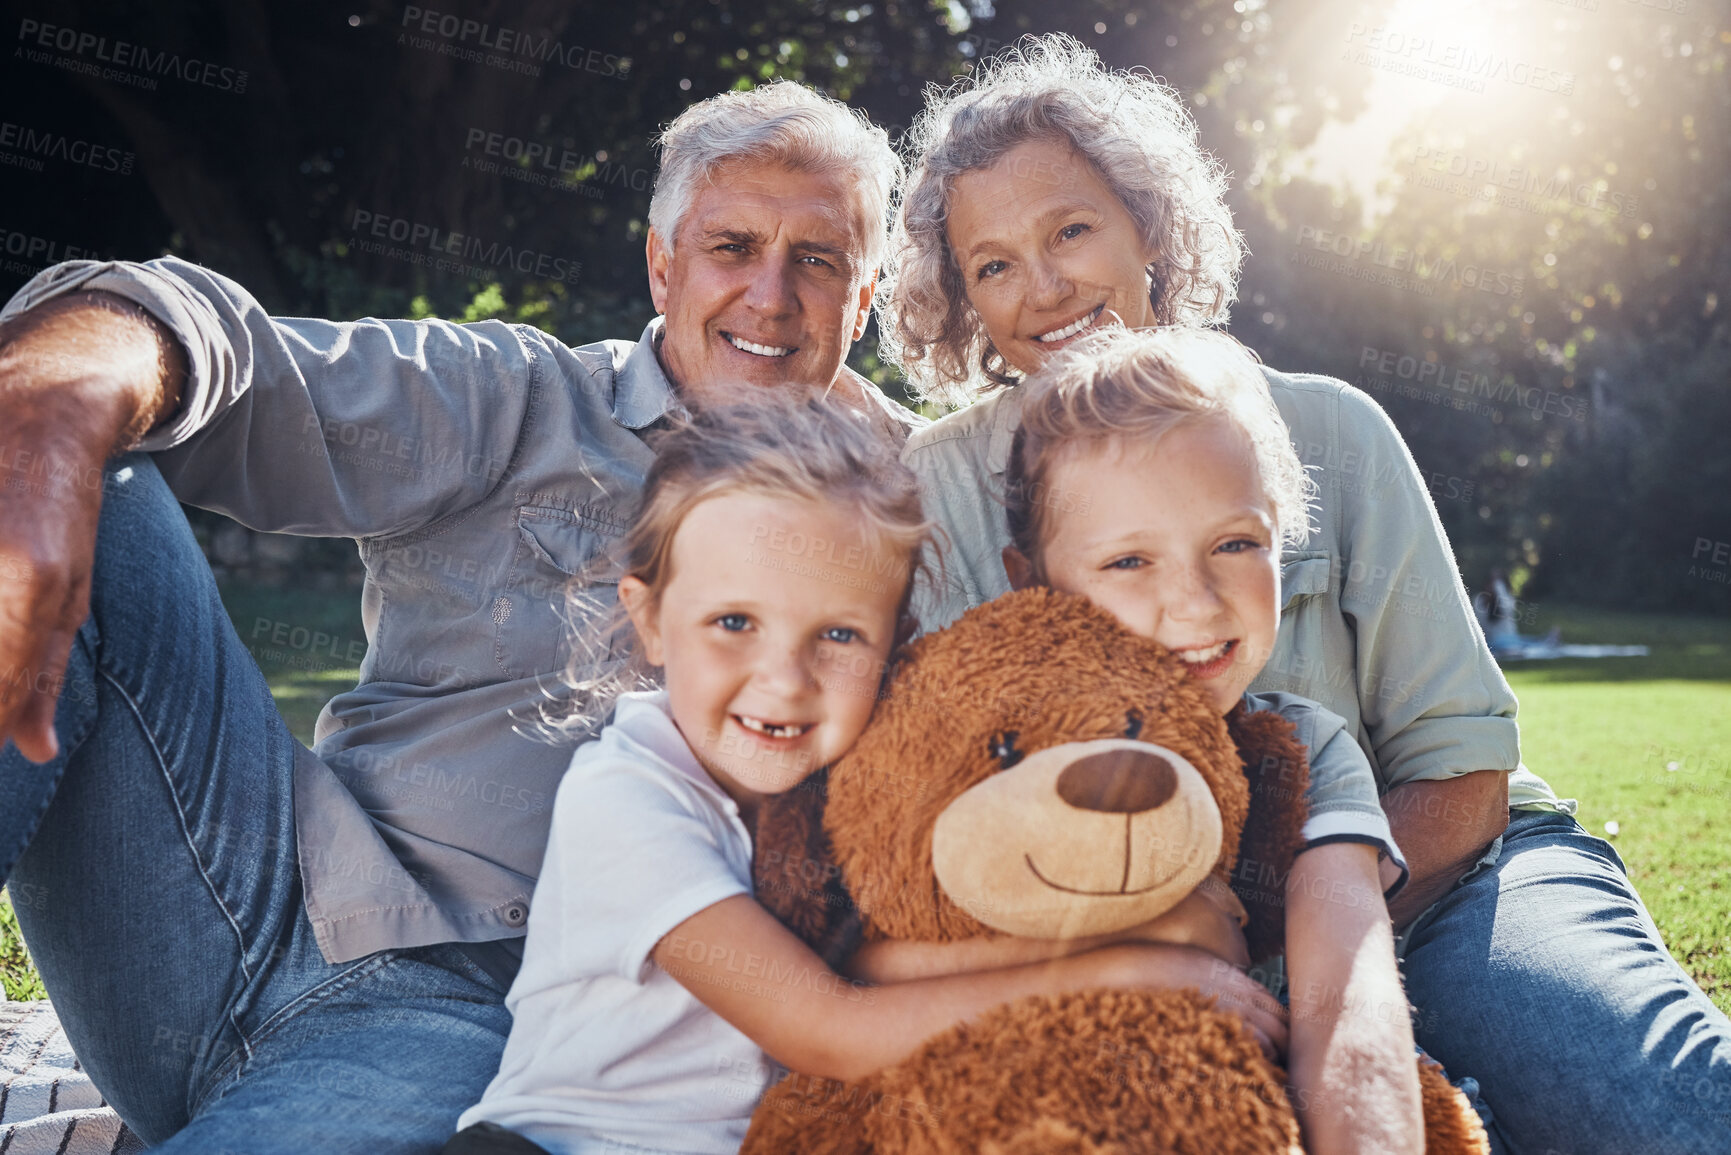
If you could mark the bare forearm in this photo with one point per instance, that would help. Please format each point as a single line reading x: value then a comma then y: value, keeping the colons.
x: 892, y: 1021
x: 749, y: 969
x: 1443, y: 827
x: 87, y: 374
x: 1351, y: 1063
x: 1210, y: 918
x: 891, y: 961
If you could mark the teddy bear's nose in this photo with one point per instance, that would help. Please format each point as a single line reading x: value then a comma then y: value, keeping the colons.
x: 1119, y: 781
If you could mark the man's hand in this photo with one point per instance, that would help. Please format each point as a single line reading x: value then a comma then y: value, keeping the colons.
x: 1443, y: 827
x: 82, y: 377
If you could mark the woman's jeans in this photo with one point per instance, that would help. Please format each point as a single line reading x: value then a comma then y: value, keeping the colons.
x: 1542, y: 976
x: 160, y: 896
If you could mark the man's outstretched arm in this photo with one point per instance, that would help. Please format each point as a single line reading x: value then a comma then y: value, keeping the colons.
x: 82, y: 377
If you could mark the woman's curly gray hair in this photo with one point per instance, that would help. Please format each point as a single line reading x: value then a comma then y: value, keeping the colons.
x: 1140, y: 139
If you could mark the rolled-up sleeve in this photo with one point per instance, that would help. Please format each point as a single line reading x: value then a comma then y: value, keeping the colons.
x: 321, y: 428
x: 1433, y: 701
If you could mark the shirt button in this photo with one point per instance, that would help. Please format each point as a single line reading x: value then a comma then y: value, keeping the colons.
x: 516, y: 914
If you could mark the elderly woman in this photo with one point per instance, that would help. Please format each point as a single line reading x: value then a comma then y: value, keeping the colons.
x: 1046, y: 197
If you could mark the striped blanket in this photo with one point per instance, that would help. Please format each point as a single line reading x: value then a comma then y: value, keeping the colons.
x: 48, y: 1105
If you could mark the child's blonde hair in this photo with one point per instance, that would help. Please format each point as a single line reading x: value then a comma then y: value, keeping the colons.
x: 1137, y: 385
x: 814, y: 450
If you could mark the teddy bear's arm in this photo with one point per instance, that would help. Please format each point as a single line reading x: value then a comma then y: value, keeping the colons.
x: 1278, y: 770
x: 794, y: 874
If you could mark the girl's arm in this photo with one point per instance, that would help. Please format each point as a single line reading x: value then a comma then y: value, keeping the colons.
x: 1354, y: 1077
x: 752, y: 971
x: 1210, y: 918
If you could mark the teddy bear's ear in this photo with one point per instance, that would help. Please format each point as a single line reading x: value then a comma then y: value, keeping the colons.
x: 1278, y: 771
x: 794, y: 872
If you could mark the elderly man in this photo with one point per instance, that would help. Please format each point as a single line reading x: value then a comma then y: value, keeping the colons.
x: 253, y: 945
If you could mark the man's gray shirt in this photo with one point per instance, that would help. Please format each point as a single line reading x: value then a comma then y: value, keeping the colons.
x: 481, y: 468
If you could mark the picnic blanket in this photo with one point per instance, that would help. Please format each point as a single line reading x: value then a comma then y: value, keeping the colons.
x: 1546, y: 650
x: 48, y: 1105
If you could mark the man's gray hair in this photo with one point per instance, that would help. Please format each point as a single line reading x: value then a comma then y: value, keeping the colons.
x: 1139, y: 138
x: 780, y: 123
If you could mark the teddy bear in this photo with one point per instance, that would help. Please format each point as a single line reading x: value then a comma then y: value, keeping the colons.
x: 1036, y: 769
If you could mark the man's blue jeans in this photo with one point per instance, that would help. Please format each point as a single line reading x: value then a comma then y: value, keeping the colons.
x: 160, y: 896
x: 1542, y: 976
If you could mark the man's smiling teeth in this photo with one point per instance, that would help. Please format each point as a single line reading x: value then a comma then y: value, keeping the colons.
x: 1203, y: 657
x: 1072, y: 328
x: 761, y: 350
x: 770, y: 729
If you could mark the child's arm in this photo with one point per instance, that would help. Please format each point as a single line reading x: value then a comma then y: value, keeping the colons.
x: 1354, y: 1078
x: 749, y: 969
x: 1210, y: 917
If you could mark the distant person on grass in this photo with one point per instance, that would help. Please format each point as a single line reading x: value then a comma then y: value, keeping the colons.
x: 1047, y: 197
x: 256, y: 946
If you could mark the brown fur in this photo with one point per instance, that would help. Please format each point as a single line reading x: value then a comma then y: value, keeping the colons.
x: 1450, y: 1123
x: 1017, y: 667
x: 1278, y: 769
x: 1097, y: 1072
x: 794, y: 873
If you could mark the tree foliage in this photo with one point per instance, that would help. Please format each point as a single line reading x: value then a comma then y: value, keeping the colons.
x: 540, y: 142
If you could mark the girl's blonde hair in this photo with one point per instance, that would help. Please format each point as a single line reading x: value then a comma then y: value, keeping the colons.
x: 1136, y: 385
x: 815, y: 451
x: 1140, y: 140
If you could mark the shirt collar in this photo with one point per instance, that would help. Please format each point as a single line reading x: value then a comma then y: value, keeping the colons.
x: 642, y: 394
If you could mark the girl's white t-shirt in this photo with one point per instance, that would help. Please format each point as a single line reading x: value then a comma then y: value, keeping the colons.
x: 609, y: 1053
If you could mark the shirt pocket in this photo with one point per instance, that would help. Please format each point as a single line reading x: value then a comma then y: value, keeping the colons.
x: 1302, y: 575
x: 560, y: 552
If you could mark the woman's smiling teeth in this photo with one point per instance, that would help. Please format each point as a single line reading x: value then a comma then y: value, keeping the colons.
x: 743, y: 345
x: 1072, y: 328
x: 771, y: 729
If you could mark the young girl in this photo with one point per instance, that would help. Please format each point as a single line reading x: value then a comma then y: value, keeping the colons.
x: 1151, y: 473
x: 1177, y: 486
x: 767, y: 576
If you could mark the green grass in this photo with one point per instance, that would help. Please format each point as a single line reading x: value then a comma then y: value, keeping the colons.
x: 17, y: 977
x: 306, y: 642
x: 1606, y: 732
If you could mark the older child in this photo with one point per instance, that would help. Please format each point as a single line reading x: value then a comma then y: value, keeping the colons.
x: 767, y: 577
x: 1151, y: 473
x: 1181, y: 486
